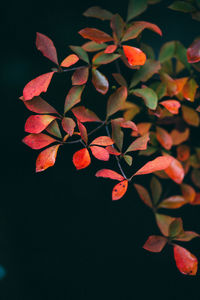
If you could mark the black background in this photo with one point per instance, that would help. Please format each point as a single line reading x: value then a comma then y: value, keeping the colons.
x: 61, y: 237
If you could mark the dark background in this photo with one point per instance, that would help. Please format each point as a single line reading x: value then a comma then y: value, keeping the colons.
x: 61, y: 237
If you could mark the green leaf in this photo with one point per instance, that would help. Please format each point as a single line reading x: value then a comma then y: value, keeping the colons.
x: 73, y: 97
x: 161, y: 90
x: 148, y: 95
x: 117, y: 134
x: 135, y: 8
x: 186, y: 236
x: 167, y: 51
x: 102, y: 58
x: 128, y: 159
x: 54, y: 129
x: 148, y: 50
x: 195, y: 176
x: 176, y: 227
x: 98, y: 12
x: 116, y: 100
x: 120, y: 79
x: 163, y: 223
x: 172, y: 202
x: 145, y: 72
x: 156, y: 189
x: 182, y: 6
x: 82, y: 54
x: 117, y: 24
x: 93, y: 46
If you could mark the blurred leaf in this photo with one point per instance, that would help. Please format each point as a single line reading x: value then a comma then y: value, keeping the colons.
x: 193, y: 52
x: 135, y: 8
x: 163, y: 223
x: 171, y: 105
x: 155, y: 243
x: 195, y: 176
x: 117, y: 24
x: 148, y: 95
x: 189, y: 90
x: 144, y: 194
x: 180, y: 137
x: 175, y: 170
x: 186, y: 236
x: 176, y: 227
x: 164, y: 138
x: 190, y: 116
x: 98, y: 12
x: 120, y: 79
x: 172, y: 202
x: 128, y: 159
x: 182, y: 6
x: 139, y: 144
x: 188, y: 192
x: 156, y: 189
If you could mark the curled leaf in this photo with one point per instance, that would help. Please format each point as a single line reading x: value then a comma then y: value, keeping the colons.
x: 171, y: 105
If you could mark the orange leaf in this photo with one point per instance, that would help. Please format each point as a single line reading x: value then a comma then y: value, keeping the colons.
x: 134, y: 56
x: 186, y: 262
x: 102, y: 141
x: 180, y: 82
x: 37, y: 123
x: 171, y: 105
x: 95, y: 35
x: 164, y: 138
x: 68, y: 125
x: 46, y: 46
x: 155, y: 243
x: 172, y: 202
x: 196, y: 200
x: 175, y: 170
x: 119, y: 190
x: 189, y: 90
x: 85, y: 115
x: 113, y: 151
x: 179, y: 137
x: 81, y: 159
x: 38, y: 141
x: 110, y: 49
x: 69, y: 60
x: 36, y: 86
x: 46, y: 158
x: 106, y: 173
x: 159, y: 163
x: 100, y: 153
x: 188, y: 192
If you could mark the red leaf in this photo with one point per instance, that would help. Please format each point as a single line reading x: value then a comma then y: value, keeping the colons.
x: 193, y: 52
x: 46, y: 46
x: 100, y: 153
x: 68, y: 125
x: 80, y: 76
x: 81, y: 159
x: 112, y: 150
x: 175, y: 170
x: 100, y: 82
x: 40, y: 106
x: 155, y: 243
x: 95, y: 35
x: 196, y: 200
x: 172, y: 202
x: 83, y: 132
x: 37, y: 123
x: 139, y: 144
x: 186, y: 262
x: 102, y: 141
x: 38, y: 141
x: 188, y: 192
x: 128, y: 124
x: 36, y: 86
x: 171, y: 105
x: 85, y: 115
x: 46, y: 158
x: 164, y: 138
x: 158, y: 164
x: 189, y: 90
x: 119, y: 190
x: 106, y: 173
x: 110, y: 49
x: 134, y: 56
x: 69, y: 60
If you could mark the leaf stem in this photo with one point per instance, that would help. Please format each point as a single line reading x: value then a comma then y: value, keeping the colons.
x: 73, y: 69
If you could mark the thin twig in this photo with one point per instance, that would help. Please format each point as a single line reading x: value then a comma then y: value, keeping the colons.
x: 117, y: 159
x: 73, y: 69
